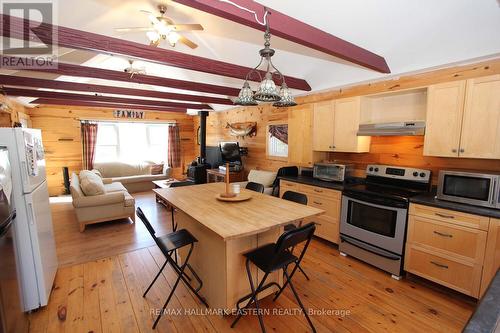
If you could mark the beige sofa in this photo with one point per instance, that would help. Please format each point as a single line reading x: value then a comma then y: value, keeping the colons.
x: 135, y: 177
x: 263, y: 177
x: 115, y: 203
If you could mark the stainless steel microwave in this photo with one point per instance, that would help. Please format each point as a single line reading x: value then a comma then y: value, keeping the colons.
x: 471, y: 188
x: 332, y: 172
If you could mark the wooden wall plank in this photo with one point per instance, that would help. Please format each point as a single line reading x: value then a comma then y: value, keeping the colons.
x: 61, y: 123
x: 403, y: 150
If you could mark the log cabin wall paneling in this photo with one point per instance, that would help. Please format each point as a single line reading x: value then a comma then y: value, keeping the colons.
x: 16, y: 111
x: 402, y: 150
x: 61, y: 135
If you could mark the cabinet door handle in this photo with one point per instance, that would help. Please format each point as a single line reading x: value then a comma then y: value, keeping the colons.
x: 445, y: 216
x: 319, y: 191
x: 443, y: 234
x: 453, y: 150
x: 439, y: 265
x: 462, y: 150
x: 317, y: 203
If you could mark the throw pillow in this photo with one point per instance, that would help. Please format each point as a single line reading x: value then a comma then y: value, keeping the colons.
x: 91, y: 184
x: 97, y: 172
x: 157, y: 169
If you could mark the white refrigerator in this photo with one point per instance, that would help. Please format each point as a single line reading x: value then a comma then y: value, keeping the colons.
x: 34, y: 235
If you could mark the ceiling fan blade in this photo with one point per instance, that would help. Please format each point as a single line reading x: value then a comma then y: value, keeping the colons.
x: 188, y: 42
x: 186, y: 27
x: 134, y: 29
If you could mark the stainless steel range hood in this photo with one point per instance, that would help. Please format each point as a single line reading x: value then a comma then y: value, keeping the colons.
x: 392, y: 129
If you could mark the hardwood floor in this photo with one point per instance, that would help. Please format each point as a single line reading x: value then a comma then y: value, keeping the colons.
x: 105, y: 295
x: 104, y: 239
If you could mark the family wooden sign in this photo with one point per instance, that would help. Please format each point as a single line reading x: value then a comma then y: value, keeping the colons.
x: 129, y: 114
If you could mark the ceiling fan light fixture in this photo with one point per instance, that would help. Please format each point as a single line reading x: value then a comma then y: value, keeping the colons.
x: 245, y: 97
x: 173, y: 37
x: 153, y: 36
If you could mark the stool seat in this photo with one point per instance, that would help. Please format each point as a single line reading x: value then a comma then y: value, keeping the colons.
x: 175, y: 240
x: 267, y: 260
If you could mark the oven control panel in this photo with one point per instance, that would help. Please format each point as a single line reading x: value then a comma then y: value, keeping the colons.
x: 397, y: 172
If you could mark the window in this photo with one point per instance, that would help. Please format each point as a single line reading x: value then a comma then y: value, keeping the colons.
x: 277, y: 141
x: 131, y: 142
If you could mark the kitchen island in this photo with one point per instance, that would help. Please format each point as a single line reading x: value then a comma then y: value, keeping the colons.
x: 226, y: 230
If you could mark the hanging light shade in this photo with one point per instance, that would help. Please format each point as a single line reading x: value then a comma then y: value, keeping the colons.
x: 245, y: 97
x: 286, y: 99
x: 267, y: 91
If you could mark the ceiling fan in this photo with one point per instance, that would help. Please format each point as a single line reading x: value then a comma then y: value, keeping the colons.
x: 134, y: 70
x: 164, y: 28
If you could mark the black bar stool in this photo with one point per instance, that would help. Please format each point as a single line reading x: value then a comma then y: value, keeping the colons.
x: 301, y: 199
x: 272, y: 257
x: 169, y: 244
x: 255, y: 187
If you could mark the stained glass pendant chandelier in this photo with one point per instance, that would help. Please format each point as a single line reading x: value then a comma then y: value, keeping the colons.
x: 267, y: 90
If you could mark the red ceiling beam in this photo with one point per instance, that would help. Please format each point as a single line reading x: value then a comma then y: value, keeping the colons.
x: 97, y: 98
x: 291, y: 29
x: 48, y: 101
x: 77, y: 39
x: 106, y: 74
x: 21, y: 81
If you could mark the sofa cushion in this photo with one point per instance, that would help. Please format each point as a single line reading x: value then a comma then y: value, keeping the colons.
x: 115, y: 187
x: 263, y: 177
x: 91, y: 184
x: 157, y: 169
x: 121, y: 169
x: 76, y: 191
x: 138, y: 178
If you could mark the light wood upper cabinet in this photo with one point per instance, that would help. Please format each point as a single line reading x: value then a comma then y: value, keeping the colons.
x: 346, y: 124
x: 300, y: 123
x: 463, y: 119
x: 481, y: 122
x: 323, y: 120
x: 445, y: 107
x: 335, y: 126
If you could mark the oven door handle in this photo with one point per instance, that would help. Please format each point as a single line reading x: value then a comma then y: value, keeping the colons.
x: 369, y: 248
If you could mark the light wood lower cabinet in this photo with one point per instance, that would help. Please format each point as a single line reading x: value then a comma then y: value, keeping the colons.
x: 452, y: 248
x: 461, y: 275
x: 327, y: 225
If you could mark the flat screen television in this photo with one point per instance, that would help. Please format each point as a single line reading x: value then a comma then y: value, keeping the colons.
x: 230, y: 151
x: 214, y: 157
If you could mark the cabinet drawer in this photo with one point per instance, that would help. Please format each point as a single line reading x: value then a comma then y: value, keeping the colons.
x: 326, y: 228
x: 459, y: 275
x: 453, y: 239
x: 315, y: 190
x: 330, y: 206
x: 450, y: 216
x: 288, y: 186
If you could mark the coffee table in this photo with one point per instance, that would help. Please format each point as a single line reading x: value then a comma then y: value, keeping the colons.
x: 165, y: 183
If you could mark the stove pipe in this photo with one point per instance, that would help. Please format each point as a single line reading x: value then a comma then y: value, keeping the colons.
x: 203, y: 136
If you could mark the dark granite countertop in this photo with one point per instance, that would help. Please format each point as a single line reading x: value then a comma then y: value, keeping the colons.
x: 430, y: 199
x: 486, y: 318
x: 316, y: 182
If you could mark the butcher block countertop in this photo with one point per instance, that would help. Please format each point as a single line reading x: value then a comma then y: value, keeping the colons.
x: 232, y: 220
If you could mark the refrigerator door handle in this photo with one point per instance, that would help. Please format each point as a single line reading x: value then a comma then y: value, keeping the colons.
x: 24, y: 172
x: 31, y: 213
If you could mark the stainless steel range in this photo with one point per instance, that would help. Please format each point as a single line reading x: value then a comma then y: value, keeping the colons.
x: 374, y: 215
